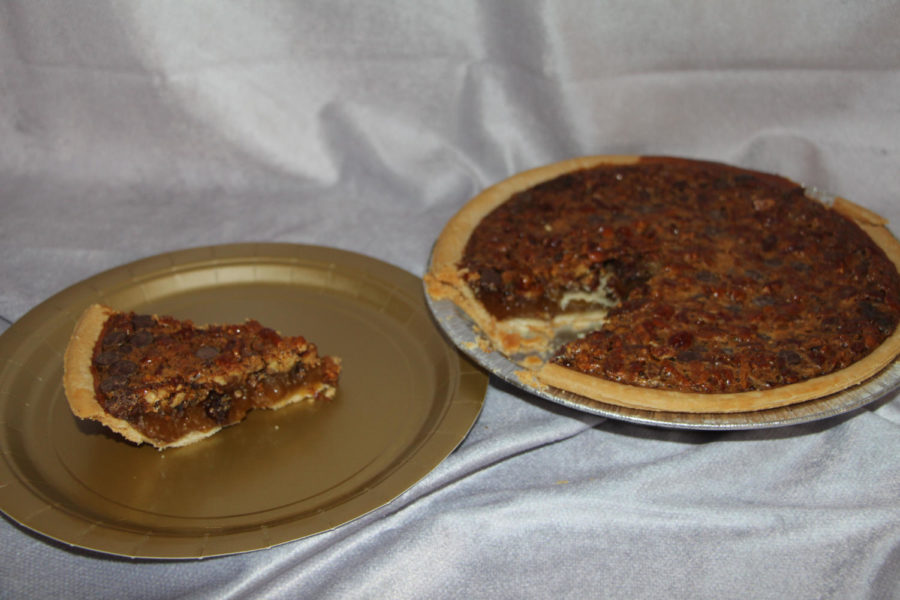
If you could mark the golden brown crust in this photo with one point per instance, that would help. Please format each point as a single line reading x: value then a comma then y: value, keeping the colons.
x: 444, y: 281
x: 855, y: 212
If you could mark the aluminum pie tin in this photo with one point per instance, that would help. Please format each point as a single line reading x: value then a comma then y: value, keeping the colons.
x: 406, y: 401
x: 465, y: 334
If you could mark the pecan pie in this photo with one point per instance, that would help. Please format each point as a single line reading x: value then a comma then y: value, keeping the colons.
x: 675, y: 284
x: 167, y: 382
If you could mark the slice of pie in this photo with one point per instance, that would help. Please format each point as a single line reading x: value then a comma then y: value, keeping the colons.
x: 673, y: 284
x: 166, y: 382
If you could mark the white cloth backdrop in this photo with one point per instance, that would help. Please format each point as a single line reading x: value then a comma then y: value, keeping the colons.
x: 133, y: 128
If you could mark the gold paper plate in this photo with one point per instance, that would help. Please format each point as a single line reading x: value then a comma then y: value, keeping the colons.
x: 406, y: 400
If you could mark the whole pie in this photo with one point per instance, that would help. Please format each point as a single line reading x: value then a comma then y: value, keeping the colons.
x: 168, y: 382
x: 673, y: 284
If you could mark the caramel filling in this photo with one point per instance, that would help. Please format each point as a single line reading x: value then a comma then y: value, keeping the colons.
x: 168, y: 379
x: 209, y: 409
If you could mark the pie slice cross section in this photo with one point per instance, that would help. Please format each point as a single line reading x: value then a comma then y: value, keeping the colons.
x: 168, y: 382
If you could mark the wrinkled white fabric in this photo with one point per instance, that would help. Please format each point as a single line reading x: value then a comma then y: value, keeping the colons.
x: 134, y: 128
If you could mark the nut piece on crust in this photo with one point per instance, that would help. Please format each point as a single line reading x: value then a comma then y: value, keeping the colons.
x: 157, y: 380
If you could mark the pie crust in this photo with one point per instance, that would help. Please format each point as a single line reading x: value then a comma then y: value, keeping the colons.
x: 83, y: 390
x: 527, y: 340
